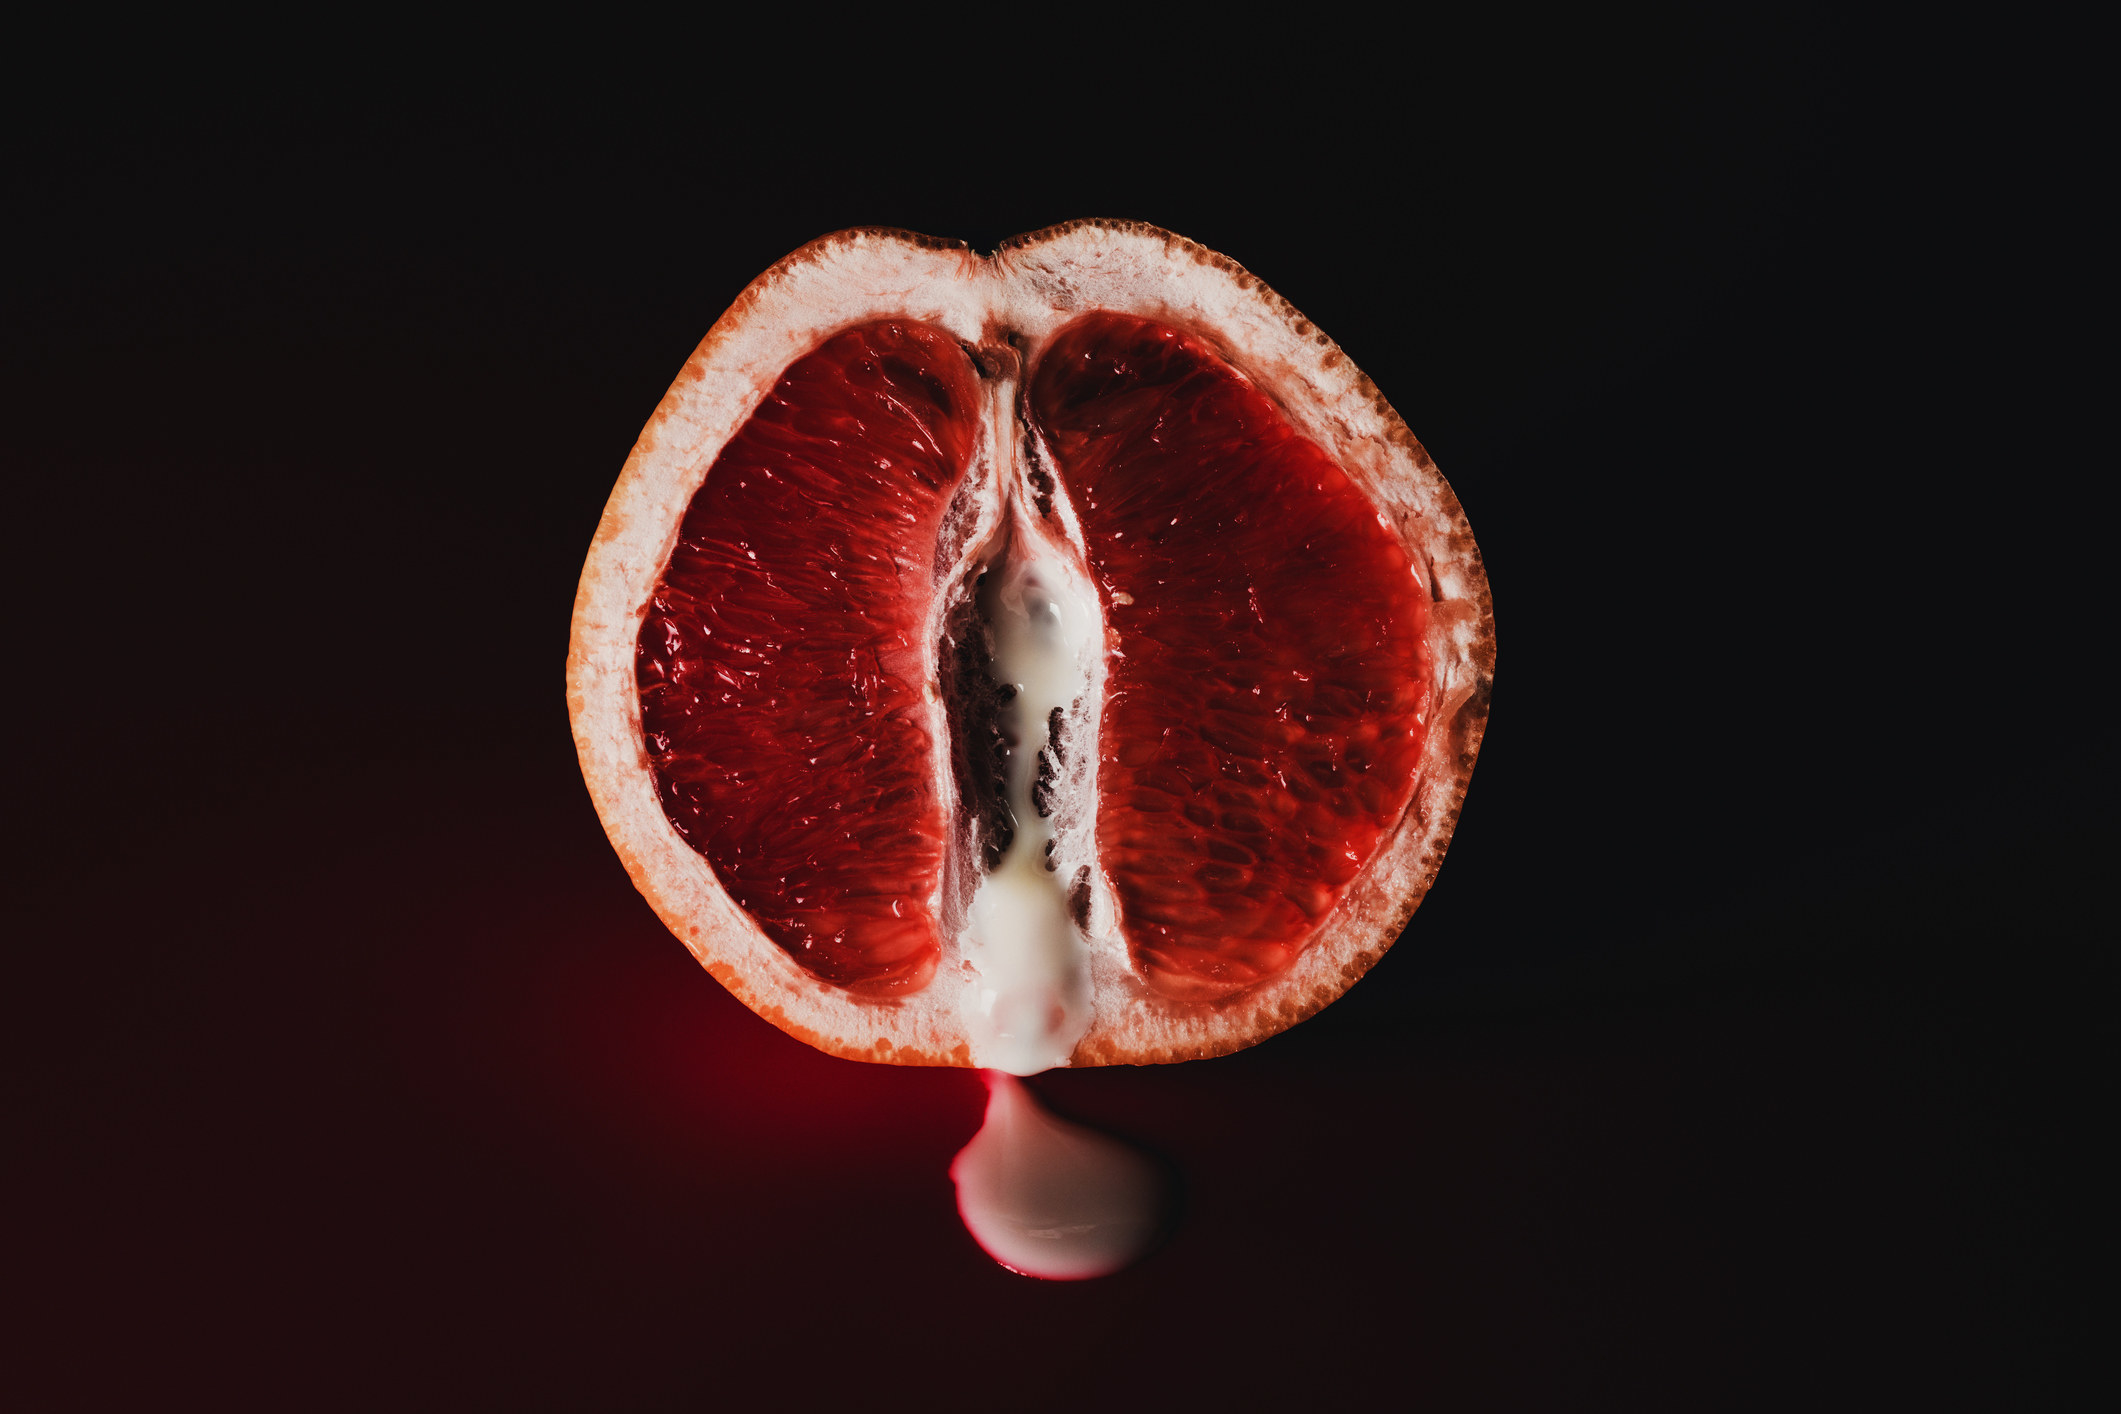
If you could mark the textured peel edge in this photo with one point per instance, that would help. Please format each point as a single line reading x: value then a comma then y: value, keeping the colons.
x: 1033, y: 284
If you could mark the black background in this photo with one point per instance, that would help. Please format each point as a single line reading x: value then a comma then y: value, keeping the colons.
x: 1731, y: 1062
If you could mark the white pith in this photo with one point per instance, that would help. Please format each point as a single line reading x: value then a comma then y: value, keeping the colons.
x: 1025, y: 293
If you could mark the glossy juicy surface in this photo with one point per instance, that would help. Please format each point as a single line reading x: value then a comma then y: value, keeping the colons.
x: 780, y: 665
x: 1264, y: 709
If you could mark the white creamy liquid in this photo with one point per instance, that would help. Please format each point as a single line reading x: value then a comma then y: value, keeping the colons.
x: 1031, y: 1003
x: 1052, y: 1199
x: 1042, y: 1196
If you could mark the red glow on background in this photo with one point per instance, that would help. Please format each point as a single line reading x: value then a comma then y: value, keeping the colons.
x: 498, y: 1124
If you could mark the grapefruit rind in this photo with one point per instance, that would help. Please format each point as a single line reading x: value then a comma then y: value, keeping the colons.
x: 1031, y: 286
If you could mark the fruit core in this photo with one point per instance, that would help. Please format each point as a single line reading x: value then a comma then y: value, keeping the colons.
x: 1188, y: 651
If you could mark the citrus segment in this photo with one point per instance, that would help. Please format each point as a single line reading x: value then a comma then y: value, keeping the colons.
x: 780, y: 664
x: 1267, y: 688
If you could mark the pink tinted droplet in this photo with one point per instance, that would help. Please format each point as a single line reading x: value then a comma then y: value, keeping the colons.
x: 1052, y: 1199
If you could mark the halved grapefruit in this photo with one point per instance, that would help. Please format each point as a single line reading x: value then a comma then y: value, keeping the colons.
x: 1063, y: 656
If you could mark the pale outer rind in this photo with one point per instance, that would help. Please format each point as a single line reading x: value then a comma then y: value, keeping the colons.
x: 1033, y: 285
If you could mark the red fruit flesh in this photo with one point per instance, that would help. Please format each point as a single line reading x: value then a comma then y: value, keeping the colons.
x: 1265, y: 708
x: 780, y: 665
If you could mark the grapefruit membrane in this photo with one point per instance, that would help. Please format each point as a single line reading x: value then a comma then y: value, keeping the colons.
x: 1058, y: 657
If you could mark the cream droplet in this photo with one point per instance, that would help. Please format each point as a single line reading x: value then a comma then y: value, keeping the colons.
x: 1052, y: 1199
